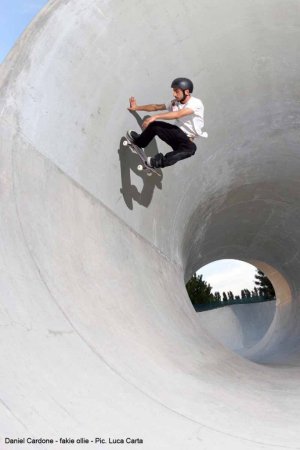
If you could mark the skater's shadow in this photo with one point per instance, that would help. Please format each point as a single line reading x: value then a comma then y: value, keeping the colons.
x: 129, y: 162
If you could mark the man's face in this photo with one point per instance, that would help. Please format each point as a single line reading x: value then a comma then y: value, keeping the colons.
x: 178, y: 94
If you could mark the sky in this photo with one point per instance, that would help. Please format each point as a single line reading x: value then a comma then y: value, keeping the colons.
x: 225, y: 275
x: 229, y: 275
x: 15, y: 15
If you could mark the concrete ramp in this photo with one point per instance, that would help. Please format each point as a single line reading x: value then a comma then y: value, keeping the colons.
x: 98, y: 336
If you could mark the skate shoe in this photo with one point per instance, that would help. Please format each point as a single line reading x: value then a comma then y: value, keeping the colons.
x: 132, y: 136
x: 149, y: 162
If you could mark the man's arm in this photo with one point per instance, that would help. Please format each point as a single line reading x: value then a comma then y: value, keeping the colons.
x: 168, y: 116
x: 153, y: 107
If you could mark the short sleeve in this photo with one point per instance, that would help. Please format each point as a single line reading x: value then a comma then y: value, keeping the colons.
x: 197, y: 106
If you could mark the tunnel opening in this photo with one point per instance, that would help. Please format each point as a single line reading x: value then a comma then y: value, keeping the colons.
x: 228, y: 282
x: 237, y: 302
x: 250, y: 223
x: 253, y: 328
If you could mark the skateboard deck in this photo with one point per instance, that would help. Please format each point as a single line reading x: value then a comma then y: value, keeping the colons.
x: 140, y: 152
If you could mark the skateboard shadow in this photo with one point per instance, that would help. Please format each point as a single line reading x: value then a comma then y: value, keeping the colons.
x: 128, y: 163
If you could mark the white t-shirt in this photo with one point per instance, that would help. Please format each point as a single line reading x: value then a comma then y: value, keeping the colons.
x: 192, y: 124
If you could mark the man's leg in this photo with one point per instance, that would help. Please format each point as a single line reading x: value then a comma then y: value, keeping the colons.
x: 181, y: 144
x: 171, y: 158
x: 173, y: 136
x: 165, y: 131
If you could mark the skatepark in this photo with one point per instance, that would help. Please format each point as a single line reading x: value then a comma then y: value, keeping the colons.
x: 98, y: 336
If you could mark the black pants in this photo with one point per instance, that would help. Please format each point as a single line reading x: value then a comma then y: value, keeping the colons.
x: 182, y: 146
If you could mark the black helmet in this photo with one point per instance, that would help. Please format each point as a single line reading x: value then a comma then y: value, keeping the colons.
x: 182, y: 83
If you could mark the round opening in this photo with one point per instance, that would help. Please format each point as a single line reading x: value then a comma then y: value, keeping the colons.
x: 228, y: 282
x: 238, y: 302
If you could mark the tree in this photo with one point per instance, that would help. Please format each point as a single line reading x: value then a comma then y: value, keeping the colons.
x: 225, y: 298
x: 265, y: 287
x: 248, y: 293
x: 230, y: 296
x: 199, y: 290
x: 217, y: 297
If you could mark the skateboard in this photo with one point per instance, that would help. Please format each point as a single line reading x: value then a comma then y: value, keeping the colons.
x: 140, y: 152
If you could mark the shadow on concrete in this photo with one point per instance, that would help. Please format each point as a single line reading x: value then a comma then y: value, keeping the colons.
x: 128, y: 163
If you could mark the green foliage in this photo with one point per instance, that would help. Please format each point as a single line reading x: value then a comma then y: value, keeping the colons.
x: 230, y: 296
x: 199, y: 291
x: 265, y: 287
x: 245, y: 293
x: 218, y: 297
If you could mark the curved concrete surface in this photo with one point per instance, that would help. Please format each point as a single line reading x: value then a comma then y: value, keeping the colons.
x: 246, y: 325
x: 98, y: 336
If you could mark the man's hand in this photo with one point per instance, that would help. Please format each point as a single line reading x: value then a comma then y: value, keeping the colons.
x: 150, y: 108
x: 132, y: 104
x: 148, y: 121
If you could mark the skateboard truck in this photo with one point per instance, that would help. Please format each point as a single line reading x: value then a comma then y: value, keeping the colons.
x: 137, y: 150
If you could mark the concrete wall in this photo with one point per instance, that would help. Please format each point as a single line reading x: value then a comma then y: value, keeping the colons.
x: 97, y: 332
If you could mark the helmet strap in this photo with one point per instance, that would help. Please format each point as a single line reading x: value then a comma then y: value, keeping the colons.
x: 184, y: 96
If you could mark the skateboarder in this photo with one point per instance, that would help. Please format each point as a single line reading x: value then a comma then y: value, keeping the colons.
x: 188, y: 112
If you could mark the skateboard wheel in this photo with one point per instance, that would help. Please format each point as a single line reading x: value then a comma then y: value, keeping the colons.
x: 125, y: 143
x: 140, y: 167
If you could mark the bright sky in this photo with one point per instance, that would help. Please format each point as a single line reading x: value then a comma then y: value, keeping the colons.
x: 229, y: 275
x: 15, y: 15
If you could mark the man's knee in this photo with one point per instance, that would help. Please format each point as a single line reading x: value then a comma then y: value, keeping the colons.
x: 188, y: 148
x: 192, y: 148
x: 156, y: 125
